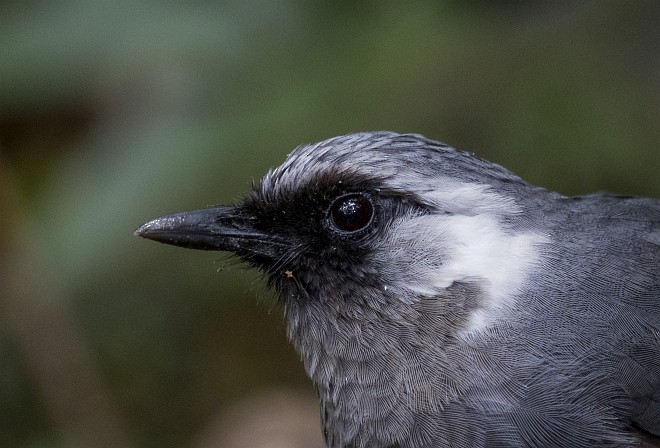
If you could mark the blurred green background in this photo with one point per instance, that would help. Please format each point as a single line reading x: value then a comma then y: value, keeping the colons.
x: 112, y: 113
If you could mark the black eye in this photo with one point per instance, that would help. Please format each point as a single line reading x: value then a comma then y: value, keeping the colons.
x: 352, y: 213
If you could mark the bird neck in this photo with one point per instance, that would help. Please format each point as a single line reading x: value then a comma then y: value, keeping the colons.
x: 387, y: 362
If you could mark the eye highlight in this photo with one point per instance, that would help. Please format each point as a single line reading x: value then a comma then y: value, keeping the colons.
x: 352, y: 213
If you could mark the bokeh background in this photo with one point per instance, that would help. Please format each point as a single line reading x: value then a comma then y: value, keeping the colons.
x: 112, y: 113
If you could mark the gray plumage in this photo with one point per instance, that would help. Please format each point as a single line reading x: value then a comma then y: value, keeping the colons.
x: 438, y: 300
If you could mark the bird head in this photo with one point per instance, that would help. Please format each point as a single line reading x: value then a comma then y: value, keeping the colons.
x: 371, y: 237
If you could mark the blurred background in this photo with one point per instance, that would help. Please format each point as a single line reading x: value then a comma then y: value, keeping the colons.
x: 112, y: 113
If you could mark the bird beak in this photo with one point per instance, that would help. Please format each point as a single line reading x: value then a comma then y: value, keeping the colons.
x: 217, y: 228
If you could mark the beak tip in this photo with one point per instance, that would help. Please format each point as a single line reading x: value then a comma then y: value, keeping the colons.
x: 203, y: 229
x: 144, y: 230
x: 170, y: 229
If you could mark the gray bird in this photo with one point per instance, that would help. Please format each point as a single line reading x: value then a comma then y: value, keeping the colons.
x: 439, y: 300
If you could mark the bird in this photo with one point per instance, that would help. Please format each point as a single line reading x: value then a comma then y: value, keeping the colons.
x: 437, y: 299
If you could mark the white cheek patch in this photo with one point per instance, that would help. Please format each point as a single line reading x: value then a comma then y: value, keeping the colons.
x: 435, y: 251
x: 480, y: 250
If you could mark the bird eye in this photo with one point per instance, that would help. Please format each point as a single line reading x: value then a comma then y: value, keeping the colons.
x: 352, y: 213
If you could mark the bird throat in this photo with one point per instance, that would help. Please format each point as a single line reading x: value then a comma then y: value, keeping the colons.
x: 384, y: 362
